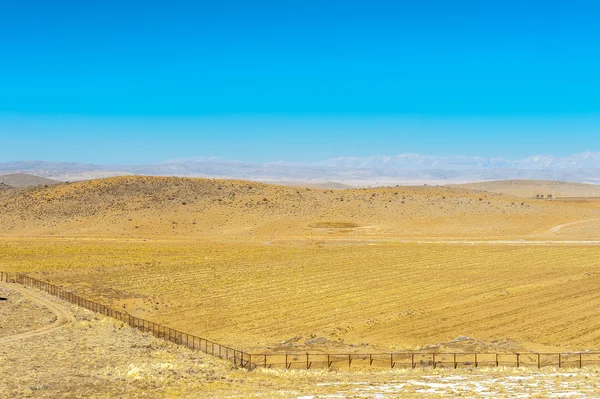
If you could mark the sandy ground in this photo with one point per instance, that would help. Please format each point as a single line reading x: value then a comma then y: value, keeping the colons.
x: 92, y: 356
x: 396, y: 266
x: 337, y: 296
x: 156, y: 207
x: 21, y: 314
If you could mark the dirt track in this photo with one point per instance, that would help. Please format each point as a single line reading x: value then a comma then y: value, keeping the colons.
x: 558, y: 228
x: 63, y: 315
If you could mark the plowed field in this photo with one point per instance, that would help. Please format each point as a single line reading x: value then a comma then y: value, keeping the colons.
x: 338, y: 296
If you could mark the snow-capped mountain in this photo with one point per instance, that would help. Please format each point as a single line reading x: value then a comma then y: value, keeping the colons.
x: 586, y: 160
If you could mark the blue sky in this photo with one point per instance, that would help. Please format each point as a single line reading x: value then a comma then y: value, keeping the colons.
x: 137, y: 82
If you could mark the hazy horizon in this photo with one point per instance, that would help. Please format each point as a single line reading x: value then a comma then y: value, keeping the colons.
x: 373, y: 170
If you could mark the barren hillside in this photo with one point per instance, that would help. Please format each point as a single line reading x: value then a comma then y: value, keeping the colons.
x: 24, y: 180
x: 531, y: 188
x: 167, y: 206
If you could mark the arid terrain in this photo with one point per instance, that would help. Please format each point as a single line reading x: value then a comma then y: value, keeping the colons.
x: 168, y: 207
x: 533, y: 188
x: 289, y: 269
x: 21, y: 180
x: 91, y: 356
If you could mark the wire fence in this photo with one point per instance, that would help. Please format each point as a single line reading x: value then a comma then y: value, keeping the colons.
x: 307, y: 361
x: 4, y: 277
x: 237, y: 357
x: 426, y: 360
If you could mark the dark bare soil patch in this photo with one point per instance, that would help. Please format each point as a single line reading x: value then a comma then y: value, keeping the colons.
x: 334, y: 225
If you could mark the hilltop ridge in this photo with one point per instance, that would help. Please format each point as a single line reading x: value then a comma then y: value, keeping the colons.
x: 138, y: 206
x: 20, y: 180
x: 531, y: 188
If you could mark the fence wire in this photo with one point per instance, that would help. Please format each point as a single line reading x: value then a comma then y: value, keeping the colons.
x: 307, y: 361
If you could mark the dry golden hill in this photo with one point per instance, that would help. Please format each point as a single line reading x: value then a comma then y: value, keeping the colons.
x: 277, y: 268
x: 531, y: 188
x: 135, y: 206
x: 323, y: 185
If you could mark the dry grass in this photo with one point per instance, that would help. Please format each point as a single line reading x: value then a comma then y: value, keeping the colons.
x: 337, y: 297
x: 97, y: 357
x: 531, y: 188
x: 264, y: 267
x: 151, y: 207
x: 19, y: 315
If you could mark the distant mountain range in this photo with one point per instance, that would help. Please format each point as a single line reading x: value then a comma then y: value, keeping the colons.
x: 373, y: 170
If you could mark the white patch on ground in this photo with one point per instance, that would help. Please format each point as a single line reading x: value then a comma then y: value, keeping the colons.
x: 552, y: 385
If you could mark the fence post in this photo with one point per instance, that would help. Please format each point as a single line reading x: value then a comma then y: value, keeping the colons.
x: 518, y: 364
x: 539, y: 363
x: 455, y: 360
x: 559, y: 360
x: 433, y: 357
x: 476, y: 360
x: 412, y: 360
x: 580, y: 362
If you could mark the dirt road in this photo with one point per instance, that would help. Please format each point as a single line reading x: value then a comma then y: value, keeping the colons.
x: 558, y: 228
x: 63, y: 315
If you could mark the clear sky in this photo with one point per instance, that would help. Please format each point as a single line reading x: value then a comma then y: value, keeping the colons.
x: 145, y: 81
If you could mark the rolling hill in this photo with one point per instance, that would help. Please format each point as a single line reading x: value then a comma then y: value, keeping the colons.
x: 531, y: 188
x: 19, y: 180
x: 139, y: 206
x: 380, y: 269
